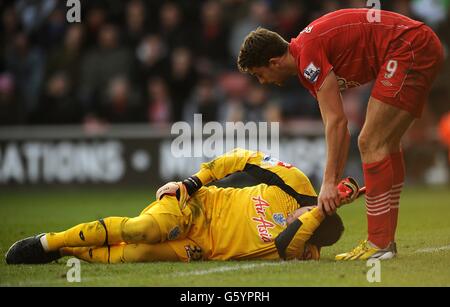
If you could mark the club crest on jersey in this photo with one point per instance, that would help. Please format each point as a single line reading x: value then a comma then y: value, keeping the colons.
x: 311, y: 73
x: 279, y: 219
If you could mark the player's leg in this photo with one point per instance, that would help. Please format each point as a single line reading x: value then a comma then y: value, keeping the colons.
x: 412, y: 96
x: 123, y: 253
x: 398, y: 168
x: 398, y: 97
x: 107, y: 231
x: 163, y: 221
x: 380, y: 136
x: 45, y: 248
x: 379, y: 142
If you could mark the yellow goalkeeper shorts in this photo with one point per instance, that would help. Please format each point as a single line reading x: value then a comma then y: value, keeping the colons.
x: 174, y: 223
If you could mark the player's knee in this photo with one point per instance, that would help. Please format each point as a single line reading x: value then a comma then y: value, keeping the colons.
x: 372, y: 149
x: 363, y: 143
x: 368, y: 143
x: 142, y: 229
x: 139, y: 253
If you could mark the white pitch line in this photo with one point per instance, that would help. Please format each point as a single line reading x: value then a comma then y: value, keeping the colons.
x: 229, y: 268
x: 433, y: 249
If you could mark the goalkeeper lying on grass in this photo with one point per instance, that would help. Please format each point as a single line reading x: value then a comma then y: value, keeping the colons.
x: 272, y: 220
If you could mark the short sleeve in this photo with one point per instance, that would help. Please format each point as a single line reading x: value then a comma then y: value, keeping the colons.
x: 313, y: 65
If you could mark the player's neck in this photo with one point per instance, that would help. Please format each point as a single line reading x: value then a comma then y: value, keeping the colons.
x: 290, y: 63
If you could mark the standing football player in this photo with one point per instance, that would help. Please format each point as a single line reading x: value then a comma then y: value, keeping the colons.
x: 344, y: 49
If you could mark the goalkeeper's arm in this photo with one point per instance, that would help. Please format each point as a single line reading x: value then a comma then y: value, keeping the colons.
x: 261, y: 167
x: 221, y: 167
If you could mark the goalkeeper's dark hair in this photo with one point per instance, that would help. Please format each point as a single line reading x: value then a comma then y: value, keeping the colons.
x: 328, y: 232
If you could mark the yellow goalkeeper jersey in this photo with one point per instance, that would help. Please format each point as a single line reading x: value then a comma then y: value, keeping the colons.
x: 242, y: 223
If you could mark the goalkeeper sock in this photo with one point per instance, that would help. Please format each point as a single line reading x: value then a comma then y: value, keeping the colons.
x: 398, y: 167
x: 378, y: 177
x: 107, y: 254
x: 98, y: 233
x: 123, y: 253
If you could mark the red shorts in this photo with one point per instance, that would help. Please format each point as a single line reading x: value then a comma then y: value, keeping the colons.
x: 411, y: 65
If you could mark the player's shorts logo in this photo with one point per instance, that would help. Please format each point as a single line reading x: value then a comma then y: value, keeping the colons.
x: 311, y: 73
x: 386, y: 83
x: 193, y: 252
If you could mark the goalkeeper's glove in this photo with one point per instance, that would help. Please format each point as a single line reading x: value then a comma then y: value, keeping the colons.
x: 348, y: 190
x: 189, y: 185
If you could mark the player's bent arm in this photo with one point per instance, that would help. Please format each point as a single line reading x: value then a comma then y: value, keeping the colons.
x: 291, y: 242
x: 336, y: 131
x: 255, y: 163
x: 262, y: 168
x: 226, y: 164
x: 222, y: 166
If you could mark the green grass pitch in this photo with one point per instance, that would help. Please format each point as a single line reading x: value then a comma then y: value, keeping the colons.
x: 423, y: 240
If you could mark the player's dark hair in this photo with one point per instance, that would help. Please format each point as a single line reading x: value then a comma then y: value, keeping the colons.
x: 328, y: 232
x: 259, y: 47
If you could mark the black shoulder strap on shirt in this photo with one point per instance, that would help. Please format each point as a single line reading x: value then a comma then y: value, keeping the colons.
x: 270, y: 178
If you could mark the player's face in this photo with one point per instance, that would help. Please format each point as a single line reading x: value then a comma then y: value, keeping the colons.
x: 270, y: 74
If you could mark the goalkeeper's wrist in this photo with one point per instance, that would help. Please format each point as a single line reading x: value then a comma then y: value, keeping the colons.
x: 192, y: 184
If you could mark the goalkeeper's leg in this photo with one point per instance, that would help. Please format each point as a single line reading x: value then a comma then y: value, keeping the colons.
x: 163, y: 220
x: 123, y: 253
x: 107, y: 231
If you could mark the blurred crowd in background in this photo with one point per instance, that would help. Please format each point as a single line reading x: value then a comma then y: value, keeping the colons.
x: 159, y: 62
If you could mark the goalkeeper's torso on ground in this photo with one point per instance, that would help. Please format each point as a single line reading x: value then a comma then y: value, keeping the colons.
x: 234, y: 223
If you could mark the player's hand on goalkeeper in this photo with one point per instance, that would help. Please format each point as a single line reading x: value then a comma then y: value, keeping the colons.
x: 328, y: 200
x: 348, y: 190
x: 332, y: 197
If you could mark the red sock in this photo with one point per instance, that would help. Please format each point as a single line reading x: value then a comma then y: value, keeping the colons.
x: 378, y: 177
x: 398, y: 167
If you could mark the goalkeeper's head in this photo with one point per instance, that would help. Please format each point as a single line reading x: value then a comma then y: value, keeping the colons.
x: 327, y: 233
x: 293, y: 242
